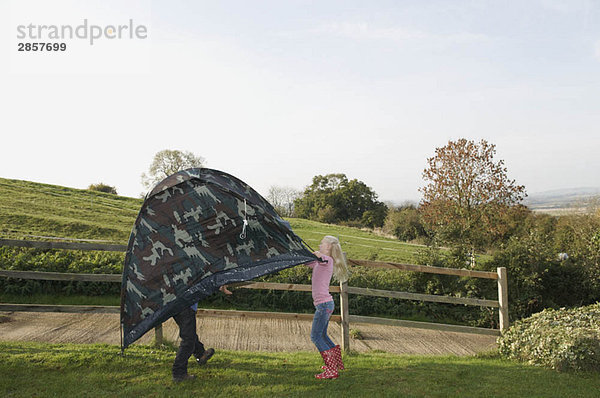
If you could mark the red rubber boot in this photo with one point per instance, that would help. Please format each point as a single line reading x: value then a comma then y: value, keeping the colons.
x: 339, y: 364
x: 330, y: 371
x: 337, y: 352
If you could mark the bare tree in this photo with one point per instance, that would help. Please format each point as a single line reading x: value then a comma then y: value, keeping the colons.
x: 282, y: 199
x: 167, y: 162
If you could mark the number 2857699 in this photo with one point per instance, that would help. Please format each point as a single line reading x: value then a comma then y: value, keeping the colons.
x: 41, y: 47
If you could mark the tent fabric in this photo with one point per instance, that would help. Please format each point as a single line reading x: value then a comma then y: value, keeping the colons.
x: 197, y: 230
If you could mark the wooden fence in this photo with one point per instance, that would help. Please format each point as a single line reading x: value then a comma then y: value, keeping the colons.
x: 343, y: 290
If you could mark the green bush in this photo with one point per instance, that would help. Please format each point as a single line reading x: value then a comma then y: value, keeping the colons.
x: 537, y: 279
x: 565, y: 339
x: 405, y: 224
x: 101, y: 187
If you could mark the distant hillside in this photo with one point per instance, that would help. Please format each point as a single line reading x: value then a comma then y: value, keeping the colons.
x: 579, y: 200
x: 33, y: 210
x: 29, y: 208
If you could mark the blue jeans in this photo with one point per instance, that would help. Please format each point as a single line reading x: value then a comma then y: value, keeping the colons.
x: 318, y: 333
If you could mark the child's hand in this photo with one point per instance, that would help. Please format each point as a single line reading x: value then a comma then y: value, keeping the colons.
x: 320, y: 257
x: 225, y: 290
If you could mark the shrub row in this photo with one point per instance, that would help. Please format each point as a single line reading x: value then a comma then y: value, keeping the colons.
x: 64, y: 261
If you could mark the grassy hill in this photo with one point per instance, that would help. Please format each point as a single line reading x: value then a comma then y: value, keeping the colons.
x: 31, y: 210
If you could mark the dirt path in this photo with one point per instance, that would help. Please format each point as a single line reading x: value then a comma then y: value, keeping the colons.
x: 235, y: 333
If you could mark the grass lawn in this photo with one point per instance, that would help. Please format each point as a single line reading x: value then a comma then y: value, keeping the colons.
x: 357, y: 243
x: 37, y: 369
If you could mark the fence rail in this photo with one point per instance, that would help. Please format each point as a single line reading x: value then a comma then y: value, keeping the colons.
x: 423, y: 297
x: 343, y: 289
x: 425, y: 268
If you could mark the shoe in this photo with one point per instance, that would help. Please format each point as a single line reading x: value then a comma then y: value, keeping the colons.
x: 205, y: 356
x: 330, y: 371
x: 185, y: 377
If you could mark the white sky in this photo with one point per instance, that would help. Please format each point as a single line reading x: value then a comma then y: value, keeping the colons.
x: 277, y: 92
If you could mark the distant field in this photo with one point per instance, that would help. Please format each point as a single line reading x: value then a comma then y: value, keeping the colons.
x: 565, y: 201
x: 563, y: 211
x: 31, y: 210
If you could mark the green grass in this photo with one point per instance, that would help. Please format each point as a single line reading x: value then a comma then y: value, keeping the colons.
x: 29, y: 208
x: 35, y: 369
x: 357, y: 243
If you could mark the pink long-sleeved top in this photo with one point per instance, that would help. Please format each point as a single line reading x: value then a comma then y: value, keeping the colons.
x: 321, y: 277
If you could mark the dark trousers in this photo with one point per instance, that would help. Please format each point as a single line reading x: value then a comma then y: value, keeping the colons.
x: 186, y: 320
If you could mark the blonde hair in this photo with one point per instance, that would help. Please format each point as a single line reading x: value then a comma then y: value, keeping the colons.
x: 340, y: 267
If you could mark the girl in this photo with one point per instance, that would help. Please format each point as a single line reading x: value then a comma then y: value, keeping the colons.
x: 335, y: 265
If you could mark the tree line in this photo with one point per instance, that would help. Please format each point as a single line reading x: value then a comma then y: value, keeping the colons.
x: 468, y: 199
x: 468, y: 205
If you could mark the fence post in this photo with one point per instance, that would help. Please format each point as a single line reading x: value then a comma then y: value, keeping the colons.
x: 503, y: 297
x: 344, y: 312
x: 158, y: 334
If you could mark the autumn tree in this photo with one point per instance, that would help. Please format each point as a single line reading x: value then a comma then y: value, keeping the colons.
x: 167, y: 162
x: 468, y: 195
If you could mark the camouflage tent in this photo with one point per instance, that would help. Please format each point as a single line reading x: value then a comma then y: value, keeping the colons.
x: 197, y: 230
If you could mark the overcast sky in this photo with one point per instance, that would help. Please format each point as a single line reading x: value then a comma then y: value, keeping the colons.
x: 277, y: 92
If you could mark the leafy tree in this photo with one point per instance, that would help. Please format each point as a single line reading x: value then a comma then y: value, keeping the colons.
x: 376, y: 217
x: 101, y: 187
x: 167, y: 162
x: 333, y: 198
x: 405, y: 223
x: 467, y: 193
